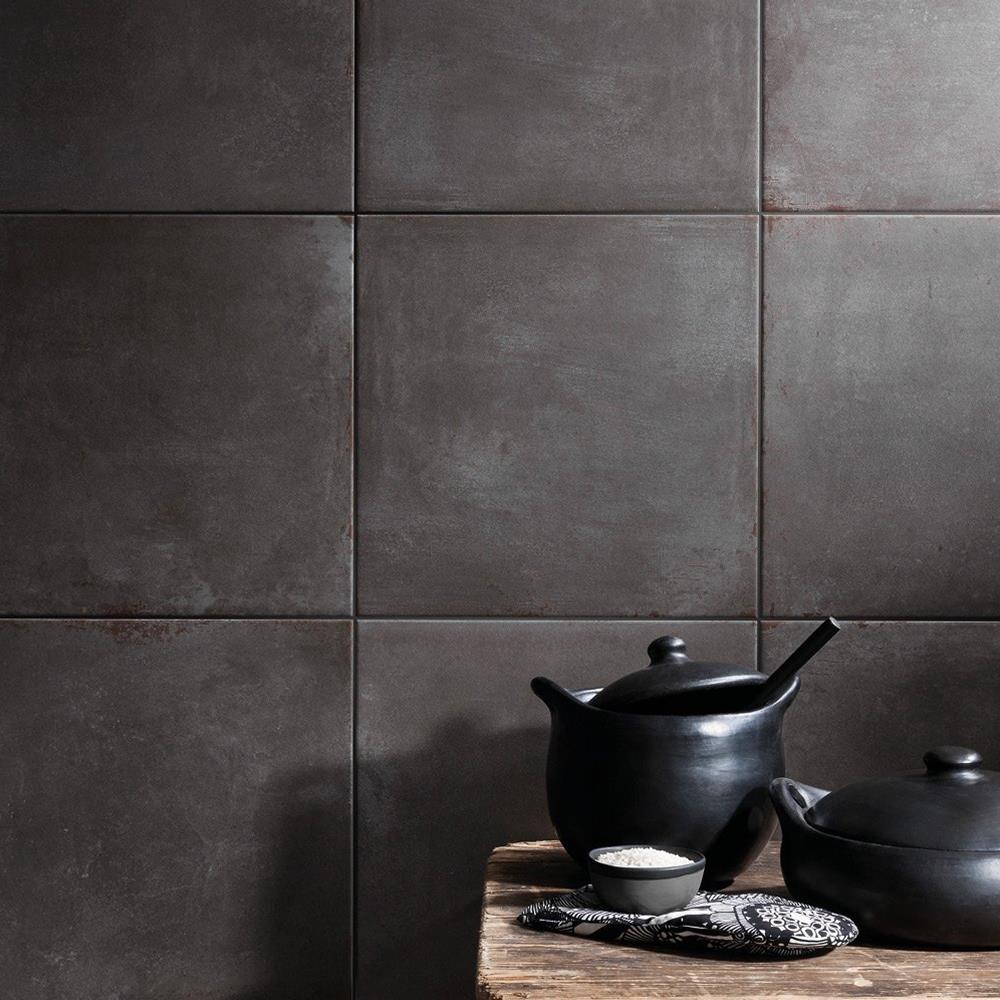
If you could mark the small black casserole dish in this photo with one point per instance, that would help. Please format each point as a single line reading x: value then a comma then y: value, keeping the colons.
x: 914, y: 857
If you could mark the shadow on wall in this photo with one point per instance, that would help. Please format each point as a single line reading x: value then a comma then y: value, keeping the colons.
x: 302, y: 932
x: 429, y: 820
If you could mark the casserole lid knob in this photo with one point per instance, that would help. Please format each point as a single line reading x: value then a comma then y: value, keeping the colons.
x: 946, y: 760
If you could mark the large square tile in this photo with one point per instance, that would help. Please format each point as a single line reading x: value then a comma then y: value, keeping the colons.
x: 881, y: 104
x: 879, y: 477
x: 177, y: 802
x: 557, y: 415
x: 242, y: 105
x: 451, y: 763
x: 883, y: 693
x: 562, y: 105
x: 175, y: 415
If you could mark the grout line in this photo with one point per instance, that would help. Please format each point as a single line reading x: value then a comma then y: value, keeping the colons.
x: 883, y: 213
x: 353, y: 770
x: 143, y: 213
x: 497, y: 619
x: 357, y: 617
x: 760, y: 332
x: 355, y: 162
x: 70, y: 617
x: 791, y: 213
x: 527, y: 617
x: 760, y: 106
x: 354, y: 416
x: 909, y: 619
x: 608, y: 213
x: 515, y: 213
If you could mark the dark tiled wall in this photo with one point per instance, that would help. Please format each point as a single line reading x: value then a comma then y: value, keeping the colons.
x: 605, y: 359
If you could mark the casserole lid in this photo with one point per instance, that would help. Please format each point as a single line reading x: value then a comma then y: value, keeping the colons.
x: 952, y: 806
x: 670, y: 673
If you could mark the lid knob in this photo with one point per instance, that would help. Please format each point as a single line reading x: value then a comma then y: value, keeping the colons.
x: 942, y: 760
x: 666, y: 649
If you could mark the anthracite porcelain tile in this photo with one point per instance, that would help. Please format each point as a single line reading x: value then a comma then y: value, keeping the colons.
x: 881, y: 404
x: 557, y: 415
x: 175, y: 415
x: 451, y: 763
x: 560, y: 105
x: 876, y: 105
x: 207, y: 105
x: 881, y: 694
x: 177, y: 801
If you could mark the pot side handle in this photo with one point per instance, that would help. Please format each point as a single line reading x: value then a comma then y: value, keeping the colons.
x: 791, y: 801
x: 554, y: 695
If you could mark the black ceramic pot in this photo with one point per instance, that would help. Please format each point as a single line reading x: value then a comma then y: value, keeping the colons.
x: 671, y: 772
x: 914, y: 858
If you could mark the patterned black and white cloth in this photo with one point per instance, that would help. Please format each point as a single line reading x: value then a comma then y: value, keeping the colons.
x: 750, y: 923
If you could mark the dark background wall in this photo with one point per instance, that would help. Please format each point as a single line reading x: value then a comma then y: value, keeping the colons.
x: 331, y: 412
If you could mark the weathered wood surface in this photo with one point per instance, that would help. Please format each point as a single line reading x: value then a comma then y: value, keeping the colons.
x: 518, y: 964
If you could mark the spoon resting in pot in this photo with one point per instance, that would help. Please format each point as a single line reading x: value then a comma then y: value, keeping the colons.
x: 783, y: 676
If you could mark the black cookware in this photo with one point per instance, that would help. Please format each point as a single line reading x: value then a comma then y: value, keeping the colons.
x: 669, y: 756
x: 915, y: 857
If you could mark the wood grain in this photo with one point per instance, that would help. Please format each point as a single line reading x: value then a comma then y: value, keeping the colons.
x: 519, y: 964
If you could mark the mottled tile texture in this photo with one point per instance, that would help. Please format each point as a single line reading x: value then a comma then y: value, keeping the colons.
x: 880, y: 416
x: 176, y: 415
x: 558, y: 419
x: 881, y: 104
x: 557, y: 415
x: 235, y: 105
x: 451, y: 752
x: 558, y: 105
x: 176, y: 810
x: 882, y: 693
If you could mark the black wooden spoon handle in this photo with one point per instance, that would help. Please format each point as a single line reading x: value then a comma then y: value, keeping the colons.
x: 782, y: 677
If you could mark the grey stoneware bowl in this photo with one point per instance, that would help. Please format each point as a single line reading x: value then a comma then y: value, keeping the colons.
x: 646, y: 890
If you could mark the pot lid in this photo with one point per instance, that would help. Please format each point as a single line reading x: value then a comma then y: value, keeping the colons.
x: 669, y: 673
x: 952, y: 806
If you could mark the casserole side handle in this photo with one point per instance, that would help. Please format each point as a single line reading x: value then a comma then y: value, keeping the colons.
x: 792, y: 800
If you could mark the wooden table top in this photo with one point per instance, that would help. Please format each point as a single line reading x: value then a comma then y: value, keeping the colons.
x: 520, y: 964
